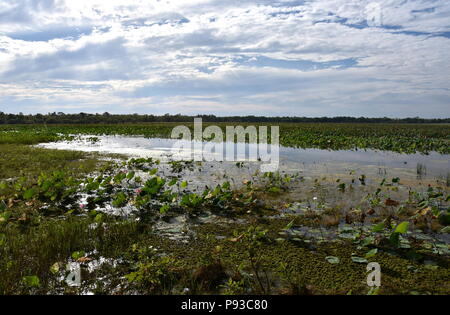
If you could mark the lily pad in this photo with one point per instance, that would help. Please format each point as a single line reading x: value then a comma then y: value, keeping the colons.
x: 371, y: 253
x: 332, y: 259
x: 359, y: 260
x: 402, y: 228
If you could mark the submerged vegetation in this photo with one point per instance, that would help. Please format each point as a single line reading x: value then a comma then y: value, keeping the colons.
x: 141, y: 226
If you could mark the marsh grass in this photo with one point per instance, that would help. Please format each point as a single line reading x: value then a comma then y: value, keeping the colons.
x: 21, y: 160
x: 33, y: 250
x: 404, y: 138
x: 245, y: 257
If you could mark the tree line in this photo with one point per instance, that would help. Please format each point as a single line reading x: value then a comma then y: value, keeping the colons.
x: 107, y: 118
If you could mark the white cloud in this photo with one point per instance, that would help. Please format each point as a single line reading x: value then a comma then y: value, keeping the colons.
x: 247, y: 57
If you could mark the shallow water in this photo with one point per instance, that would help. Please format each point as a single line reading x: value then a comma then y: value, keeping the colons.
x: 310, y: 162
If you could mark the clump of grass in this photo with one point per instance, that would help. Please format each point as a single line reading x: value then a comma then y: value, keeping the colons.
x: 421, y: 170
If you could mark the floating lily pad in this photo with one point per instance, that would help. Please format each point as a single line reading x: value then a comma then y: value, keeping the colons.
x: 332, y: 259
x: 371, y: 253
x: 359, y: 260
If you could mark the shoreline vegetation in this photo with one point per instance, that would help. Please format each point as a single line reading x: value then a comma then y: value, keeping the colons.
x: 107, y: 118
x: 274, y: 234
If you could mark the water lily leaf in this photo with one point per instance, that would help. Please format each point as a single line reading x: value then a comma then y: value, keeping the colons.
x: 402, y: 228
x: 379, y: 227
x: 359, y: 260
x: 371, y: 253
x: 446, y: 229
x: 153, y: 171
x: 430, y: 264
x: 347, y: 236
x: 404, y: 243
x: 332, y: 259
x: 394, y: 239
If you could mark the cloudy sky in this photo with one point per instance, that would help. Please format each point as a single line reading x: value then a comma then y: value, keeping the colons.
x: 256, y: 57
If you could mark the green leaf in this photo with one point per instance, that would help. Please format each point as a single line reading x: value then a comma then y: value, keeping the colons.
x: 184, y: 184
x: 446, y: 229
x: 332, y: 259
x: 394, y: 239
x: 154, y: 171
x: 32, y: 281
x: 29, y: 194
x: 371, y: 253
x: 78, y: 254
x: 99, y: 218
x: 54, y: 268
x: 132, y: 277
x: 290, y: 225
x: 359, y: 260
x: 402, y: 228
x: 164, y: 209
x: 379, y: 227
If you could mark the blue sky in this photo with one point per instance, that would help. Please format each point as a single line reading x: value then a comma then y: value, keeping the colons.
x: 300, y: 58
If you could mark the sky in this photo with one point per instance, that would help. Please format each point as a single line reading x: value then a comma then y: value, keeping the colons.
x: 372, y: 58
